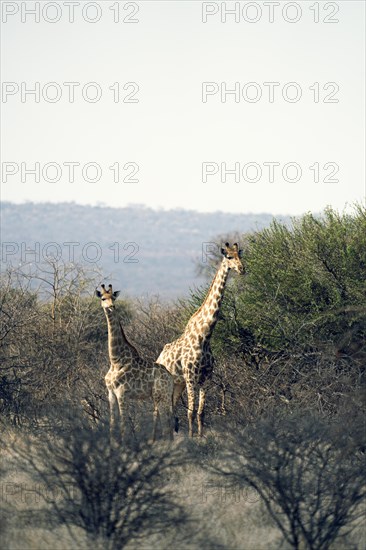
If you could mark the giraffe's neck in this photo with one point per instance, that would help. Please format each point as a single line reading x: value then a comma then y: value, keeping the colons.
x: 204, y: 320
x: 121, y: 352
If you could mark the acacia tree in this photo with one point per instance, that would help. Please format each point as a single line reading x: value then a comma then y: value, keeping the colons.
x: 308, y: 472
x: 304, y: 287
x: 52, y: 340
x: 19, y: 318
x: 115, y: 495
x: 292, y: 330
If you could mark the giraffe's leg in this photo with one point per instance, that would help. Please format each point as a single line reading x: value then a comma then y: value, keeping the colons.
x: 166, y: 415
x: 191, y: 405
x: 163, y: 409
x: 122, y: 415
x: 201, y: 410
x: 156, y: 419
x: 169, y: 421
x: 112, y: 414
x: 177, y: 392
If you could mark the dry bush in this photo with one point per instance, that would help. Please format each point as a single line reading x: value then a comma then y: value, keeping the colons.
x: 216, y: 517
x: 246, y: 386
x: 153, y: 325
x: 114, y: 494
x: 308, y: 472
x: 53, y: 343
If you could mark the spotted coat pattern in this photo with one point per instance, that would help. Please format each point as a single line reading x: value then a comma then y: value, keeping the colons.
x: 130, y: 377
x: 189, y: 358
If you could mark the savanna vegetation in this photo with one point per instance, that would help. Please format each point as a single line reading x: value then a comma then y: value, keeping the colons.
x: 282, y: 460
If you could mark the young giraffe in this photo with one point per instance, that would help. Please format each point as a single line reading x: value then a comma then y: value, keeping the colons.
x: 189, y: 358
x: 132, y: 378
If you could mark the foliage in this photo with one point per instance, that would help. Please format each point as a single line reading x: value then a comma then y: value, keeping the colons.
x: 308, y: 472
x: 308, y: 283
x: 292, y: 330
x: 290, y: 335
x: 304, y: 288
x: 116, y: 495
x: 52, y: 340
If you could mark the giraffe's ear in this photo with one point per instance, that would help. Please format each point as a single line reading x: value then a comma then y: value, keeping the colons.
x: 98, y: 294
x: 240, y: 252
x: 116, y: 293
x: 223, y: 251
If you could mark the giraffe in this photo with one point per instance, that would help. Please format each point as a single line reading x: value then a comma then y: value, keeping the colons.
x: 131, y: 377
x: 189, y: 358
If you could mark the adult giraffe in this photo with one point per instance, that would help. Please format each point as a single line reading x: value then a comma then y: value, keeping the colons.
x: 131, y: 378
x: 189, y: 358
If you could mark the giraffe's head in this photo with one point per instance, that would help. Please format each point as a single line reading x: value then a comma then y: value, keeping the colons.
x: 232, y: 256
x: 108, y: 297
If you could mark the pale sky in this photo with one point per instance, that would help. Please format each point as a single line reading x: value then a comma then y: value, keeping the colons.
x: 173, y: 131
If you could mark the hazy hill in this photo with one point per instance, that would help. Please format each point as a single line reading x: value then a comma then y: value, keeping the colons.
x: 166, y: 244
